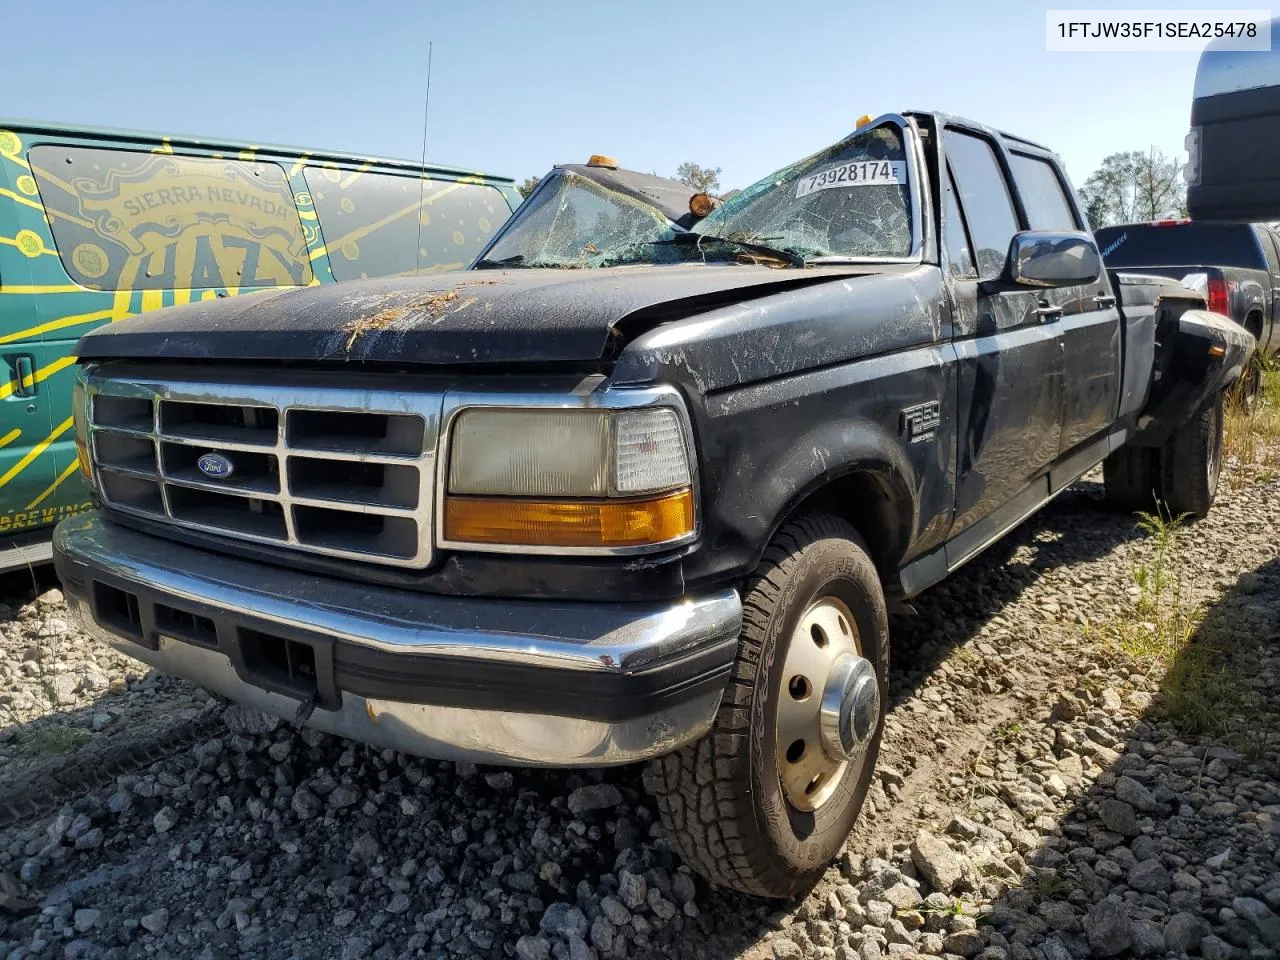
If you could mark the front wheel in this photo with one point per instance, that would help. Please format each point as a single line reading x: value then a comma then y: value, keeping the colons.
x: 765, y: 800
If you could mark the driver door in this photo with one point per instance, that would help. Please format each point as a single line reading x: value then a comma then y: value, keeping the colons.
x: 1010, y: 358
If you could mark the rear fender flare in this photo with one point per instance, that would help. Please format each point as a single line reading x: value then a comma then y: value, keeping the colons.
x: 1208, y: 353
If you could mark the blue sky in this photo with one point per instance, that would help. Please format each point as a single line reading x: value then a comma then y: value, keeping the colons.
x: 516, y: 87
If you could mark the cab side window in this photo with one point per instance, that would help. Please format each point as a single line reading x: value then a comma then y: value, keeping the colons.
x: 985, y: 197
x: 1042, y: 195
x: 959, y: 257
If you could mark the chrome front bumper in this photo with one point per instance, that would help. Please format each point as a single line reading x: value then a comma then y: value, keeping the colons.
x: 543, y: 683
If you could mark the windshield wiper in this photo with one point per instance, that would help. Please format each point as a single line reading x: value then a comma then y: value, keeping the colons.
x: 487, y: 264
x: 692, y: 238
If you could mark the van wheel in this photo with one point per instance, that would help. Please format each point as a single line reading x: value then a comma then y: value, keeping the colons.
x: 1191, y: 461
x: 1129, y: 478
x: 766, y: 799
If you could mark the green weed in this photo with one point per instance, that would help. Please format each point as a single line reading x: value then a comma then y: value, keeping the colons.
x: 1201, y: 673
x: 52, y: 741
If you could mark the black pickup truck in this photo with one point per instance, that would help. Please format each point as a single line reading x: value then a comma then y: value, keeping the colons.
x: 1235, y: 265
x: 643, y: 493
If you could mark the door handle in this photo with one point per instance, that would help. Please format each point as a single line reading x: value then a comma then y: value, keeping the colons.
x: 22, y: 366
x: 1104, y: 301
x: 1048, y: 311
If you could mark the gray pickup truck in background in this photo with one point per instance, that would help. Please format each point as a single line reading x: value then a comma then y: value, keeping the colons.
x: 1236, y: 266
x: 632, y: 492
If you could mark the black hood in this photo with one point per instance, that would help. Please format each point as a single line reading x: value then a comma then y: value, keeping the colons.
x: 448, y: 318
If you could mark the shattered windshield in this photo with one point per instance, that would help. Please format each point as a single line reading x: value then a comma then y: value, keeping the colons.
x: 576, y: 222
x: 851, y: 200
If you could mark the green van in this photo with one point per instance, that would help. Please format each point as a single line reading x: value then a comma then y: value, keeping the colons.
x: 99, y: 225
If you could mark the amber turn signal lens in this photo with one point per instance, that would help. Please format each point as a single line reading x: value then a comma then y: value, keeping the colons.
x: 569, y: 523
x: 82, y: 455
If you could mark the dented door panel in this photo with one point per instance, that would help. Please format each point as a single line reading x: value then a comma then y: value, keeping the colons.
x: 1091, y: 360
x: 1010, y: 379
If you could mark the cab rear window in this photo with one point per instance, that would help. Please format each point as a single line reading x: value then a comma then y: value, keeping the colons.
x: 128, y: 220
x: 1180, y: 244
x: 378, y: 224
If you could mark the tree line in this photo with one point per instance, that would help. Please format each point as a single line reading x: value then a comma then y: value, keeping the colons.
x: 1134, y: 186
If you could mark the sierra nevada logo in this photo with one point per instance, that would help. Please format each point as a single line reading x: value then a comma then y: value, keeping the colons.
x: 160, y: 221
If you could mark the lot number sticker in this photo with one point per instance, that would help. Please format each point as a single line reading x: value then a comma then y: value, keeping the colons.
x: 857, y: 173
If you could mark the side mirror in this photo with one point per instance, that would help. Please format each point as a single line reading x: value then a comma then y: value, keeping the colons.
x: 1040, y: 259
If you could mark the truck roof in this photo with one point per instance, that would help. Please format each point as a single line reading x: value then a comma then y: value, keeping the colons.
x: 220, y: 144
x: 1009, y: 138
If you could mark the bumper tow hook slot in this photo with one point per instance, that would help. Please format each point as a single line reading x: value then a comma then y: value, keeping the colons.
x: 306, y: 708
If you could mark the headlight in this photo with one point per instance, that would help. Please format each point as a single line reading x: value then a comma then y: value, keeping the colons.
x: 568, y: 478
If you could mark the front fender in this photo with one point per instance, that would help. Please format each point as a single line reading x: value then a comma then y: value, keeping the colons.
x: 874, y: 438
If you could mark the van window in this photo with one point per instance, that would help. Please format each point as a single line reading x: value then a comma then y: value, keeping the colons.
x: 370, y: 221
x: 1042, y: 195
x: 125, y: 220
x: 1180, y: 244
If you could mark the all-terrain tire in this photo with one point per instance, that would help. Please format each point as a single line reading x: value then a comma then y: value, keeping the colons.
x: 1191, y: 461
x: 720, y: 798
x: 1130, y: 478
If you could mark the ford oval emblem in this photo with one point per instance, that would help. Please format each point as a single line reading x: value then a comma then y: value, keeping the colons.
x: 215, y: 466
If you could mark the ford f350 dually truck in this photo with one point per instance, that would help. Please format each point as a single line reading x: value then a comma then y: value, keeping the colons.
x: 643, y: 493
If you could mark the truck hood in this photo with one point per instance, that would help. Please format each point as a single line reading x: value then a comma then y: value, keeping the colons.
x: 448, y: 318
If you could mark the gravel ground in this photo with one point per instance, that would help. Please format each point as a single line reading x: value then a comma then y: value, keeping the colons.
x: 1032, y: 800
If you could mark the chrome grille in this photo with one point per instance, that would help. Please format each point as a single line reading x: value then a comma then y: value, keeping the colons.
x: 343, y: 471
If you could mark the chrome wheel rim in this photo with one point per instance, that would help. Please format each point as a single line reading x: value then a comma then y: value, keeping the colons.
x: 825, y: 634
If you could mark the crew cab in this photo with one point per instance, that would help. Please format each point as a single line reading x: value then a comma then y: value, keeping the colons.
x: 641, y: 493
x: 1236, y: 265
